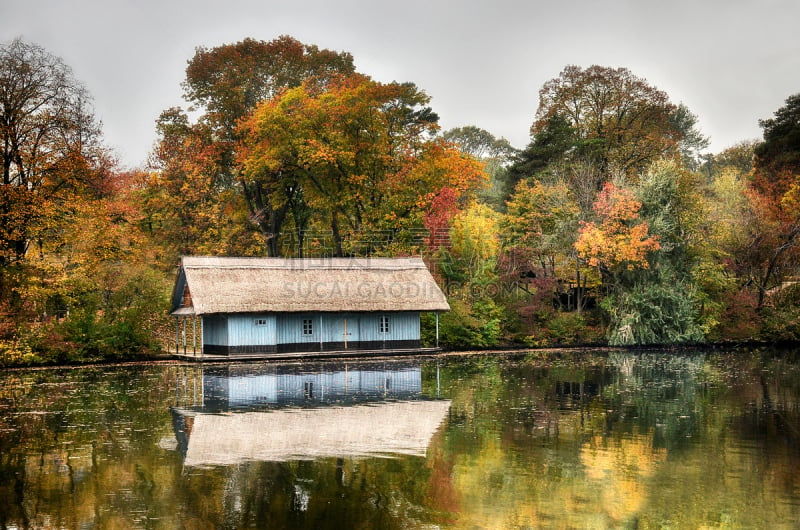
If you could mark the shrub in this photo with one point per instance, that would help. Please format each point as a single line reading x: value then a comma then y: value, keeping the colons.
x: 781, y: 317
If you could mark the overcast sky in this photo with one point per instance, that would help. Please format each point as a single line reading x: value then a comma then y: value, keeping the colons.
x: 732, y: 62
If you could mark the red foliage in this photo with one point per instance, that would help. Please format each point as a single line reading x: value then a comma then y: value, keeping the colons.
x: 444, y: 206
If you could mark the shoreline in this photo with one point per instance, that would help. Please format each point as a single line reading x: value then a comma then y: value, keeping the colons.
x: 507, y: 350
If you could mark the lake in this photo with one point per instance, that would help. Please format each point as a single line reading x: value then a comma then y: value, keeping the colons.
x: 572, y: 439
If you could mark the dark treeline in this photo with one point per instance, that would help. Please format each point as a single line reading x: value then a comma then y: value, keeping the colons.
x: 614, y: 225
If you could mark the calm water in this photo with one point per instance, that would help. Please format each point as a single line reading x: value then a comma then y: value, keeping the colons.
x: 616, y: 440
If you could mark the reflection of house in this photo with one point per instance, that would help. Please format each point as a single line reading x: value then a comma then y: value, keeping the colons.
x: 230, y: 414
x: 275, y: 305
x: 245, y: 386
x: 381, y: 429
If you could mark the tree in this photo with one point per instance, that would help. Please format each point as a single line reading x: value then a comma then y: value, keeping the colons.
x: 620, y: 240
x: 496, y: 154
x: 51, y: 157
x: 776, y: 181
x: 542, y: 219
x: 644, y: 244
x: 48, y: 136
x: 620, y: 121
x: 737, y: 158
x: 362, y: 153
x: 469, y: 267
x: 225, y: 84
x: 549, y: 145
x: 778, y: 156
x: 692, y: 141
x: 188, y: 203
x: 480, y: 143
x: 229, y: 81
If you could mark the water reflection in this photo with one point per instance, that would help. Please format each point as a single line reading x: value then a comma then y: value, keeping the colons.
x: 573, y: 440
x: 287, y: 412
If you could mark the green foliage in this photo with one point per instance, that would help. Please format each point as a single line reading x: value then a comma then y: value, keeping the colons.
x: 118, y: 314
x: 659, y: 303
x: 782, y: 316
x: 467, y: 325
x: 653, y: 313
x: 548, y: 146
x: 566, y: 328
x: 780, y: 150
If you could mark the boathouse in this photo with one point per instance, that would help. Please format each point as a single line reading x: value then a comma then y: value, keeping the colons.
x: 262, y: 306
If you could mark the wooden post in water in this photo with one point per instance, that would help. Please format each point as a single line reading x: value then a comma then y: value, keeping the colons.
x: 437, y: 329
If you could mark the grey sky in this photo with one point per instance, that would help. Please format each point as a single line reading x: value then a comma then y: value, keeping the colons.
x: 731, y: 62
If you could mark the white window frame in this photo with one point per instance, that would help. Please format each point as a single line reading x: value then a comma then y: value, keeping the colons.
x: 308, y: 327
x: 384, y: 325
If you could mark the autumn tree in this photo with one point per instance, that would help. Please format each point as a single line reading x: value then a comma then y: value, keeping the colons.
x: 776, y: 185
x: 75, y: 283
x: 541, y: 223
x: 188, y: 205
x: 48, y: 137
x: 620, y: 240
x: 619, y: 121
x: 227, y: 82
x: 224, y: 85
x: 644, y: 245
x: 361, y: 152
x: 53, y: 162
x: 497, y: 154
x: 737, y: 159
x: 469, y: 269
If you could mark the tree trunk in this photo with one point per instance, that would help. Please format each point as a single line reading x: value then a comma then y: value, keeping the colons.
x: 337, y: 237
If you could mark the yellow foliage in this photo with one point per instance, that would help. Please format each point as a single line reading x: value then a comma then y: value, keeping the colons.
x: 474, y: 234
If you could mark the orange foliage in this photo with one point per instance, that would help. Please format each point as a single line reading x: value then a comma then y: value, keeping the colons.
x: 618, y: 239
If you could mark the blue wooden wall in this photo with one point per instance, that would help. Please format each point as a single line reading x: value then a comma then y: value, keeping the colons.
x: 287, y: 328
x: 215, y: 330
x: 361, y: 327
x: 249, y: 329
x: 290, y: 328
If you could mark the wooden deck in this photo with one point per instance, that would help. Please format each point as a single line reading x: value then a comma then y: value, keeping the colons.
x: 342, y: 354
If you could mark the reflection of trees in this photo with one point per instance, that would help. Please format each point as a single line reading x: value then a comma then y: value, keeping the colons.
x: 513, y: 439
x: 107, y: 460
x: 65, y: 443
x: 743, y: 475
x: 582, y: 441
x: 659, y: 391
x: 632, y: 437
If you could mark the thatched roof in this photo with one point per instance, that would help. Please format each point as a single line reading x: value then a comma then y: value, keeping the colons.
x: 379, y: 429
x: 265, y: 285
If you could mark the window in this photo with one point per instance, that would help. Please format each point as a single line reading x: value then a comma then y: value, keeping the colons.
x: 260, y: 322
x: 308, y: 326
x: 384, y: 327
